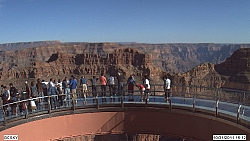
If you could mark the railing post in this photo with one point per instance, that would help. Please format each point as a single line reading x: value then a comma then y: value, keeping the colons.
x: 73, y: 102
x: 49, y: 105
x: 85, y: 98
x: 97, y: 103
x: 238, y: 114
x: 194, y: 103
x: 4, y: 116
x: 26, y: 110
x: 244, y: 102
x: 154, y: 93
x: 122, y: 104
x: 216, y: 107
x: 170, y: 104
x: 239, y: 97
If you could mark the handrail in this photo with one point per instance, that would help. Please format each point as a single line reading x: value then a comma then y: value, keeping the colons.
x: 199, y: 98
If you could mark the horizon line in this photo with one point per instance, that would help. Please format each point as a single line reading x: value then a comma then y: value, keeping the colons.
x: 119, y: 42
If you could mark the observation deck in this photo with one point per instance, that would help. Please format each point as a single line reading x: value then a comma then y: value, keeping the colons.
x: 192, y: 113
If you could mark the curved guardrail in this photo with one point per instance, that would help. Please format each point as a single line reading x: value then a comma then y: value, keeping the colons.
x: 229, y: 104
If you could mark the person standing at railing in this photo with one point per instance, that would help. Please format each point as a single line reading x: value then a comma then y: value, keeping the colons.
x: 93, y: 81
x: 147, y: 87
x: 6, y: 99
x: 34, y: 94
x: 111, y: 82
x: 103, y: 82
x: 39, y: 86
x: 131, y: 83
x: 120, y: 79
x: 83, y: 82
x: 28, y: 94
x: 66, y: 88
x: 45, y: 90
x: 28, y: 91
x: 22, y: 105
x: 13, y: 95
x: 1, y: 94
x: 59, y: 89
x: 52, y: 91
x: 73, y: 86
x: 51, y: 82
x: 167, y: 83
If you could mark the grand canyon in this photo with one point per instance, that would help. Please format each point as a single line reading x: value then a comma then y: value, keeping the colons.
x: 203, y: 64
x: 206, y: 64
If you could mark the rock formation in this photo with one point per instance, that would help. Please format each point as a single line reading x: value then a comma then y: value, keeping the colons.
x: 232, y: 73
x: 126, y: 60
x: 185, y: 62
x: 236, y: 69
x: 172, y: 58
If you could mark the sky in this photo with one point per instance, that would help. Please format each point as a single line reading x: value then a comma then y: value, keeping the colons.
x: 142, y: 21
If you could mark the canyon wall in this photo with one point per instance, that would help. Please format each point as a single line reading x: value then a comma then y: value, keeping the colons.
x: 188, y: 64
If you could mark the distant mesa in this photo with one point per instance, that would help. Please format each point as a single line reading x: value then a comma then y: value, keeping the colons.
x: 22, y: 45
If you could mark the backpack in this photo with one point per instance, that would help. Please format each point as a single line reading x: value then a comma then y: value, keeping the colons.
x: 111, y: 80
x: 13, y: 91
x: 6, y: 95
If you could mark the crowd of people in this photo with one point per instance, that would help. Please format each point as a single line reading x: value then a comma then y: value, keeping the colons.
x: 60, y: 93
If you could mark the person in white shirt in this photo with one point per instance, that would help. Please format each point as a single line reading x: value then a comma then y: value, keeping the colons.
x: 147, y: 87
x: 167, y: 85
x: 111, y: 81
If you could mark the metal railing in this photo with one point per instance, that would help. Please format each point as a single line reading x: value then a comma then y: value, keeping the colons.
x: 233, y: 105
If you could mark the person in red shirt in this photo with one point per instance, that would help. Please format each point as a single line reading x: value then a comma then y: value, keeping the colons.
x: 141, y: 89
x: 103, y: 82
